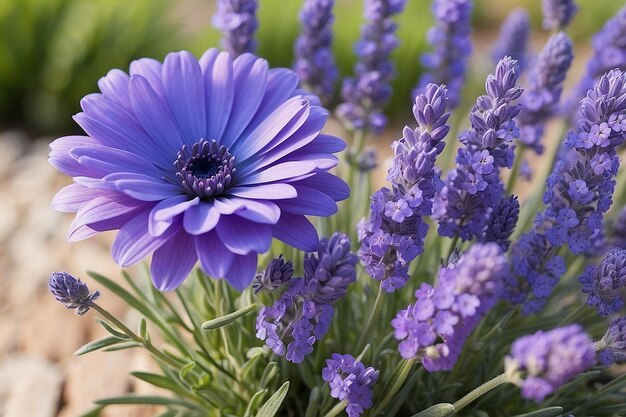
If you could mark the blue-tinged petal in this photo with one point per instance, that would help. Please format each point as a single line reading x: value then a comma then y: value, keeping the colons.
x: 265, y: 191
x: 281, y: 84
x: 297, y: 231
x: 328, y: 143
x: 220, y: 93
x: 250, y: 77
x: 258, y: 211
x: 241, y: 236
x: 70, y: 198
x: 151, y: 70
x: 268, y: 129
x: 107, y: 160
x: 61, y: 159
x: 124, y: 137
x: 184, y: 90
x: 279, y: 172
x: 201, y: 218
x: 242, y: 270
x: 133, y: 241
x: 322, y: 161
x: 162, y: 215
x: 173, y: 261
x: 327, y: 183
x: 114, y: 86
x: 214, y: 257
x: 155, y: 116
x: 142, y: 187
x: 227, y: 207
x: 207, y: 59
x: 309, y: 202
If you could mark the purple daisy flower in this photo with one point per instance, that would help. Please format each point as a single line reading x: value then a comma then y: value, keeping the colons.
x: 199, y: 160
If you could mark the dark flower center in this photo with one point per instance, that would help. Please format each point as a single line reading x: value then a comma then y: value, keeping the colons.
x: 206, y: 170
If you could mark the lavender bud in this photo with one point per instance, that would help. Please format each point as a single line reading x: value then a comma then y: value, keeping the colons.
x: 277, y: 273
x: 71, y: 291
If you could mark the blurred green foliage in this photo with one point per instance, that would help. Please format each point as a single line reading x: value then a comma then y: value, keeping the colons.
x: 52, y: 52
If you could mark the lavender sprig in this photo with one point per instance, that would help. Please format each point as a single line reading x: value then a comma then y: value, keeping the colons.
x: 350, y: 381
x: 606, y: 282
x: 577, y: 196
x: 237, y: 21
x: 557, y: 14
x: 72, y: 292
x: 612, y: 346
x: 394, y: 234
x: 450, y: 38
x: 367, y: 93
x: 545, y: 84
x: 474, y: 188
x: 314, y: 61
x: 513, y: 38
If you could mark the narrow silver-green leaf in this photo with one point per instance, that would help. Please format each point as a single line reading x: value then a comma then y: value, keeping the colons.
x: 99, y: 344
x: 156, y: 380
x: 122, y: 346
x: 544, y: 412
x: 111, y: 330
x: 143, y: 328
x: 227, y: 319
x: 254, y: 402
x: 144, y: 400
x: 437, y: 410
x: 271, y: 406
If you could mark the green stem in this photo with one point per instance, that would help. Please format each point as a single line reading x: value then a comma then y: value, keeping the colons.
x: 573, y: 315
x: 453, y: 244
x: 336, y: 409
x: 394, y: 384
x: 135, y: 337
x: 478, y: 392
x: 510, y: 184
x: 500, y: 325
x: 370, y: 320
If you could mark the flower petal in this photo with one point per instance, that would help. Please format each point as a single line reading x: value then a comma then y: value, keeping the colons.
x: 201, y: 218
x: 242, y: 271
x: 220, y: 93
x: 173, y: 261
x: 152, y: 71
x: 133, y: 241
x: 242, y: 236
x: 61, y: 158
x: 142, y: 187
x: 184, y: 89
x: 281, y: 84
x: 114, y: 86
x: 297, y: 231
x: 309, y: 202
x: 214, y: 257
x: 279, y: 172
x: 70, y: 198
x: 265, y: 191
x: 327, y: 183
x: 258, y: 211
x: 107, y: 160
x: 162, y: 215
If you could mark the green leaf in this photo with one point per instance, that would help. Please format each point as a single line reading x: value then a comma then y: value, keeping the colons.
x: 254, y: 402
x: 227, y: 319
x: 156, y: 380
x: 314, y: 403
x: 271, y: 406
x: 143, y: 329
x: 437, y: 410
x: 184, y: 371
x: 122, y: 346
x: 271, y: 370
x: 111, y: 330
x: 544, y: 412
x: 94, y: 413
x: 99, y: 344
x: 146, y: 400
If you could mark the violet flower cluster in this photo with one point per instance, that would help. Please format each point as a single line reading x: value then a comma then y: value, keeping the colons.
x: 513, y: 39
x: 277, y: 273
x: 557, y: 14
x: 237, y: 21
x: 450, y: 38
x: 350, y: 381
x: 72, y: 292
x: 606, y: 283
x: 314, y: 61
x: 394, y: 233
x: 303, y: 313
x: 502, y: 221
x: 367, y: 93
x: 612, y: 346
x: 474, y: 188
x: 545, y: 84
x: 436, y: 326
x: 542, y: 362
x: 577, y: 196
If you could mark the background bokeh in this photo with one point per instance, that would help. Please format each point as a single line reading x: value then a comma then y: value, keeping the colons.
x: 52, y: 52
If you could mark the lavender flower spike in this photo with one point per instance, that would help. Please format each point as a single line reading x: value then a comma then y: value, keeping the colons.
x: 451, y: 40
x: 545, y: 83
x: 367, y: 93
x: 304, y: 311
x: 474, y: 188
x: 71, y: 291
x: 542, y: 362
x: 394, y: 234
x: 436, y: 326
x: 577, y: 196
x: 313, y: 55
x: 513, y: 38
x: 502, y: 222
x: 606, y: 283
x: 351, y: 381
x: 612, y: 346
x: 557, y: 14
x: 277, y: 273
x: 237, y: 21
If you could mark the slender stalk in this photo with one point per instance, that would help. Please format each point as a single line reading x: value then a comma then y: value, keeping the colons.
x: 573, y: 315
x: 135, y: 337
x: 478, y: 392
x: 510, y: 184
x: 336, y: 409
x: 370, y: 320
x: 500, y: 324
x: 453, y: 244
x: 394, y: 384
